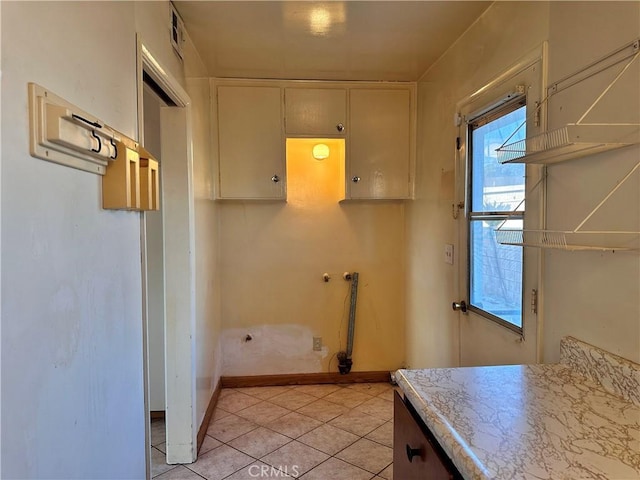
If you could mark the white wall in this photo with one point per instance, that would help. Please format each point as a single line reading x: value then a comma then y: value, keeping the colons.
x: 506, y: 32
x: 593, y: 296
x: 273, y: 256
x: 72, y: 364
x: 153, y: 24
x: 72, y: 379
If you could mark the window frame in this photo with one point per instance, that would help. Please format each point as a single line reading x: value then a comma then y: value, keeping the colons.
x: 482, y: 117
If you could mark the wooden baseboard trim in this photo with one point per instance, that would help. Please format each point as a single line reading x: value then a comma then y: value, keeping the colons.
x: 157, y: 414
x: 304, y: 379
x: 202, y: 431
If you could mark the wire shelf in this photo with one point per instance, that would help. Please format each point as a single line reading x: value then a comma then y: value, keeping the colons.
x: 571, y: 141
x: 576, y: 139
x: 569, y: 240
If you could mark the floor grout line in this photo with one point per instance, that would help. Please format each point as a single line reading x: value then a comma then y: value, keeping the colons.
x: 290, y: 438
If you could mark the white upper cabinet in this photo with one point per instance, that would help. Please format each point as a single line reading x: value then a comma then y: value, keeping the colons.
x: 380, y: 144
x: 376, y: 121
x: 315, y: 111
x: 251, y: 143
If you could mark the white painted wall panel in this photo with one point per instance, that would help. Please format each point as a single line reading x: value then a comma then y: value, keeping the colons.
x: 272, y: 261
x: 593, y: 296
x: 153, y: 21
x: 504, y: 34
x: 72, y: 382
x: 207, y: 333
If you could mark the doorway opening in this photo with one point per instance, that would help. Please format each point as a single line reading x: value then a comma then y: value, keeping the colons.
x: 152, y: 103
x: 168, y: 268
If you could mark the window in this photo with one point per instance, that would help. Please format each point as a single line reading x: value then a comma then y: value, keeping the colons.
x: 496, y: 195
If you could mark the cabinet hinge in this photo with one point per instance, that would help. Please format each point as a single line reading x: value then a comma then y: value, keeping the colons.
x: 537, y: 115
x: 534, y: 301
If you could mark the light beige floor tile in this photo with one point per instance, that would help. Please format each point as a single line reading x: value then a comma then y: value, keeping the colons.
x: 259, y: 442
x: 263, y: 412
x: 236, y: 401
x: 328, y: 439
x: 263, y: 393
x: 348, y: 397
x: 372, y: 389
x: 383, y: 434
x: 292, y: 399
x: 159, y: 463
x: 377, y: 407
x: 323, y: 410
x: 387, y: 472
x: 293, y: 424
x: 220, y: 462
x: 158, y: 432
x: 208, y: 444
x: 218, y: 413
x: 228, y: 428
x: 370, y: 456
x: 357, y: 422
x: 295, y: 458
x: 226, y: 391
x: 317, y: 391
x: 388, y: 395
x: 180, y: 472
x: 256, y: 471
x: 335, y: 469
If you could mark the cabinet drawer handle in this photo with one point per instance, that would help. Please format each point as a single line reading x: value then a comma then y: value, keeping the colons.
x: 275, y: 179
x: 355, y: 179
x: 413, y: 452
x: 340, y: 127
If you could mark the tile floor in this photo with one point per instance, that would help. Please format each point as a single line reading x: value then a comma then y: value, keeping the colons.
x: 311, y: 432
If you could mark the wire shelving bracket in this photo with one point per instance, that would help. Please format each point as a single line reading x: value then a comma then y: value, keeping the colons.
x: 578, y: 139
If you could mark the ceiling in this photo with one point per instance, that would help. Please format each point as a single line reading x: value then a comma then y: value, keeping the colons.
x: 350, y: 40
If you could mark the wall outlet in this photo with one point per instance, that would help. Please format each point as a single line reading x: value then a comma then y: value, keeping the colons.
x: 317, y: 344
x: 448, y: 254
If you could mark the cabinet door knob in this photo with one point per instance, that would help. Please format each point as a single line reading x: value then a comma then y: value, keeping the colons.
x: 275, y: 179
x: 355, y: 179
x: 340, y: 127
x: 413, y: 452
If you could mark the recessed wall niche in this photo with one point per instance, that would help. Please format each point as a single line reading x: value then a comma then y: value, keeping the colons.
x: 312, y: 181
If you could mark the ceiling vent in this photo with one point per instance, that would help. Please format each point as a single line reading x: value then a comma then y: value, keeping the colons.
x: 177, y: 32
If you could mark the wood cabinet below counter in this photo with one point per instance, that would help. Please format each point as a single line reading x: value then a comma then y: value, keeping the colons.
x: 416, y: 454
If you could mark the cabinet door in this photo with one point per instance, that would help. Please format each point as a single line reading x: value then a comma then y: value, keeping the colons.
x: 413, y: 456
x: 250, y: 143
x: 379, y: 144
x: 315, y: 111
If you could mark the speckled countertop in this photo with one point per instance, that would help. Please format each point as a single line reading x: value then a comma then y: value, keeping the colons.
x: 547, y: 422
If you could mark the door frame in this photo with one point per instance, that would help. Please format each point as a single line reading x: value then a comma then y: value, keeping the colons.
x: 531, y: 351
x: 179, y: 271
